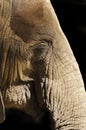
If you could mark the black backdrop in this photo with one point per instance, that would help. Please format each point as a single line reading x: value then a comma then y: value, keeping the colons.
x: 71, y: 14
x: 72, y: 17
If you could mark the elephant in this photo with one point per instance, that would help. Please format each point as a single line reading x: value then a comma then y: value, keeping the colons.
x: 38, y: 69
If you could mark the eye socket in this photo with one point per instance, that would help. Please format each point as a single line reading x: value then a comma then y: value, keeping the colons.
x: 40, y: 50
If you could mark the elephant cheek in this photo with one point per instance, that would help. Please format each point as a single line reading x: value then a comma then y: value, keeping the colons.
x: 2, y: 109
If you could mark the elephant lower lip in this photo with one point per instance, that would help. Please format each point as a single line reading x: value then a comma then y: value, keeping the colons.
x: 18, y: 95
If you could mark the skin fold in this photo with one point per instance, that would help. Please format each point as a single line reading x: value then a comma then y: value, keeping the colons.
x: 38, y: 69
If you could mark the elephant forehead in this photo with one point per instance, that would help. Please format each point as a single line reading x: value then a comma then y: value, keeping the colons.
x: 31, y: 10
x: 31, y: 18
x: 38, y: 12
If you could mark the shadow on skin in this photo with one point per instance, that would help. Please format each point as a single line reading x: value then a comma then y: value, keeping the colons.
x: 17, y: 119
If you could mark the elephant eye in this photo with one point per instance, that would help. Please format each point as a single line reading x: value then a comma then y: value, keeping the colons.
x: 40, y: 50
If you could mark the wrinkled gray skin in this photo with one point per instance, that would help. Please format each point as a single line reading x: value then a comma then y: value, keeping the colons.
x: 37, y: 67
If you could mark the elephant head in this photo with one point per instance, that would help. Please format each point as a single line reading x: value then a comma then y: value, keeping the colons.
x: 38, y: 69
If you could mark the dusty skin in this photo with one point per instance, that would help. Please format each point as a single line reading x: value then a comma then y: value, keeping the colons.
x: 38, y: 69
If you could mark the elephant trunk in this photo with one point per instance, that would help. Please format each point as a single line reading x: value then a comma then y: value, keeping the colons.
x: 63, y: 88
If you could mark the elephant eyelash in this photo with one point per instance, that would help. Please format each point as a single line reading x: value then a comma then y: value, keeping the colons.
x: 49, y: 42
x: 42, y: 42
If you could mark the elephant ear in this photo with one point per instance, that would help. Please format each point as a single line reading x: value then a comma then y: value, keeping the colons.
x: 2, y: 109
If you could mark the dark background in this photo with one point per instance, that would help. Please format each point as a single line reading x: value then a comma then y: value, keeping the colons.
x: 71, y: 14
x: 72, y: 17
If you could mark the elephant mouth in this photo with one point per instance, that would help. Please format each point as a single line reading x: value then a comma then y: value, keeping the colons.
x: 25, y: 96
x: 18, y: 95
